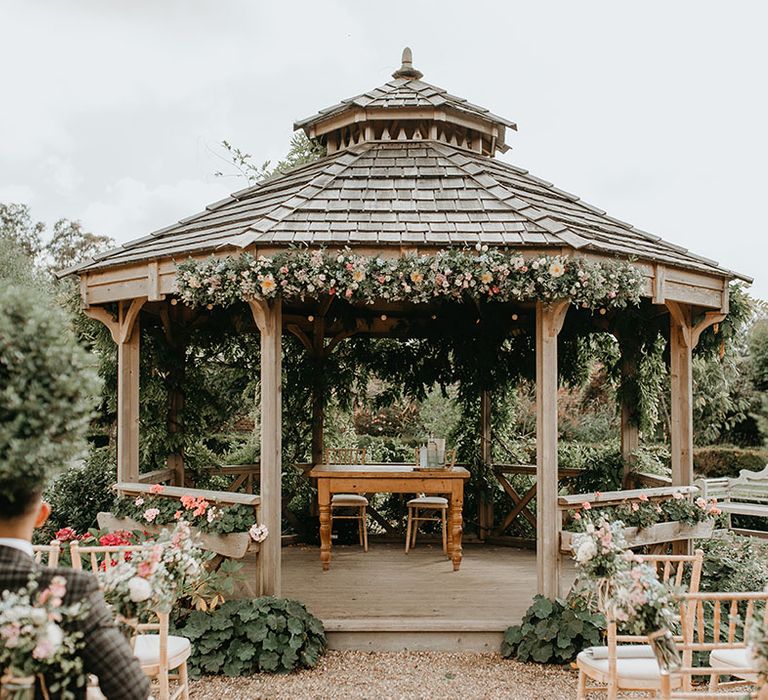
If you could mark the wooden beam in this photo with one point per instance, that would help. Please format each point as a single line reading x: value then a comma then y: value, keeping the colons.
x: 99, y: 313
x: 549, y: 321
x: 659, y: 274
x: 710, y: 319
x: 630, y: 429
x: 128, y: 407
x: 268, y: 317
x: 485, y: 504
x: 128, y: 317
x: 681, y: 399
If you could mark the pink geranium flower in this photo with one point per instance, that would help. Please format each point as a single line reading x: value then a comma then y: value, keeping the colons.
x: 156, y: 489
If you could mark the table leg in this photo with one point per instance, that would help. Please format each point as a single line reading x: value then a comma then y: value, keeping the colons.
x: 456, y: 520
x: 324, y: 503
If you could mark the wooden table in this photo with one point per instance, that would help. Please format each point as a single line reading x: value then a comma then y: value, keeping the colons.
x: 390, y: 478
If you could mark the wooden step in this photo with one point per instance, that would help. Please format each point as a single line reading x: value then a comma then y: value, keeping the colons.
x: 414, y: 634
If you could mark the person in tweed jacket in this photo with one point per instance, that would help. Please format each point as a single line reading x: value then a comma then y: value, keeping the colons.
x: 106, y: 653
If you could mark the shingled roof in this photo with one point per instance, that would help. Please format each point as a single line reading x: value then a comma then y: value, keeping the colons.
x: 413, y: 192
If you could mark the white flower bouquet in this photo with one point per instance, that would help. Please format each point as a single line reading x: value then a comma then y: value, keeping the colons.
x: 153, y: 579
x: 37, y: 642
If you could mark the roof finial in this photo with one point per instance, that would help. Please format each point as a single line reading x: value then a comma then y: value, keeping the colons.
x: 407, y: 71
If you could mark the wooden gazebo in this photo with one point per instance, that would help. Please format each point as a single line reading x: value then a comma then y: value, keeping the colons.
x: 410, y: 170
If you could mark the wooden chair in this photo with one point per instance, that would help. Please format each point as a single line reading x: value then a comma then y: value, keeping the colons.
x: 349, y: 506
x: 162, y: 656
x: 431, y: 504
x: 52, y: 550
x: 98, y: 556
x: 344, y: 455
x: 731, y: 616
x: 428, y: 503
x: 628, y: 662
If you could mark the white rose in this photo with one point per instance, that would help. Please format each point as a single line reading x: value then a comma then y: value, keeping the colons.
x: 139, y: 589
x: 586, y: 551
x: 55, y: 634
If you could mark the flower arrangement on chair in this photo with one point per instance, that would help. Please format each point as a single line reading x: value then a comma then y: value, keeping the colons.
x: 629, y: 591
x: 36, y: 644
x: 153, y: 579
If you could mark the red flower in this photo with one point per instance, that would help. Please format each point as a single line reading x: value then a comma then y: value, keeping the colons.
x: 119, y: 538
x: 66, y: 534
x: 156, y: 489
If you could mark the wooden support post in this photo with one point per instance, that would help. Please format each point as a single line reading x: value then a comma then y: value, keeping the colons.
x: 268, y: 317
x: 484, y: 502
x: 549, y: 321
x: 126, y: 333
x: 318, y: 389
x: 681, y: 399
x: 128, y: 408
x: 174, y: 380
x: 630, y: 428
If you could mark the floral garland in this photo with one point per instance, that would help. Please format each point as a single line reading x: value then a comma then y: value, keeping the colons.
x: 482, y: 274
x: 158, y: 509
x: 644, y: 512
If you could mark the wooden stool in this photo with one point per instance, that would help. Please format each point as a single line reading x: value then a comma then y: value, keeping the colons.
x: 431, y: 503
x: 358, y: 503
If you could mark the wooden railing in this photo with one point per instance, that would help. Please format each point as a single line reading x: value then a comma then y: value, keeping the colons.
x: 520, y: 501
x: 243, y: 475
x: 159, y: 476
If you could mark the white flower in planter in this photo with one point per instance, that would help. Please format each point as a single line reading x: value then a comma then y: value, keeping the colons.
x: 258, y: 532
x: 139, y: 589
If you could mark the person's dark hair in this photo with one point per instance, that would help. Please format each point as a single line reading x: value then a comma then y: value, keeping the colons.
x: 16, y: 499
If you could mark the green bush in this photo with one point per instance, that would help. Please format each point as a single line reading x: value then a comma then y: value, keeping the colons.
x: 726, y: 460
x: 80, y: 493
x: 553, y: 631
x: 734, y: 563
x: 46, y: 389
x: 242, y: 637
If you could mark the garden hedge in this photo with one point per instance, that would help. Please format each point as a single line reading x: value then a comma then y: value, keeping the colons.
x: 727, y: 460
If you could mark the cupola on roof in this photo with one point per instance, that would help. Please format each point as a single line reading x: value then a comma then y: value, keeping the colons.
x: 409, y: 167
x: 408, y: 109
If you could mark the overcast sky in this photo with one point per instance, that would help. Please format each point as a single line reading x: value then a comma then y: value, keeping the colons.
x: 656, y: 111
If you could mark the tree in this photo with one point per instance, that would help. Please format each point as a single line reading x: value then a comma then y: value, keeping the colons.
x: 70, y: 244
x: 16, y: 225
x: 46, y: 389
x: 301, y: 152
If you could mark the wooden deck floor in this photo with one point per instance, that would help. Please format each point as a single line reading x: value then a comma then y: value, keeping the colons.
x: 495, y: 584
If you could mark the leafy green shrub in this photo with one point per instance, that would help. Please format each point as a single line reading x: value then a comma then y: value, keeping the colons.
x: 46, y: 390
x: 553, y: 631
x: 80, y: 493
x: 734, y: 563
x: 726, y: 460
x: 242, y: 637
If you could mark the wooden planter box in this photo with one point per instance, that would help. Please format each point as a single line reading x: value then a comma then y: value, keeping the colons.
x: 233, y: 546
x: 654, y: 534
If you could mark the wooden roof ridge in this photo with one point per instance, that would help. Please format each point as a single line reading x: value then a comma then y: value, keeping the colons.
x: 570, y: 235
x: 388, y: 92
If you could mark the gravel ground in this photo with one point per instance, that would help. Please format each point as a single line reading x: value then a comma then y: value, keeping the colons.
x: 362, y: 675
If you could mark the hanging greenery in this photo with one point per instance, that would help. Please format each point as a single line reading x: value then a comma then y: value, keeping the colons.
x: 482, y: 274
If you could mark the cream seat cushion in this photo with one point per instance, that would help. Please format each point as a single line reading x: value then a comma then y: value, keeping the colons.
x: 429, y: 502
x: 147, y: 650
x: 635, y: 664
x: 734, y: 658
x: 348, y: 499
